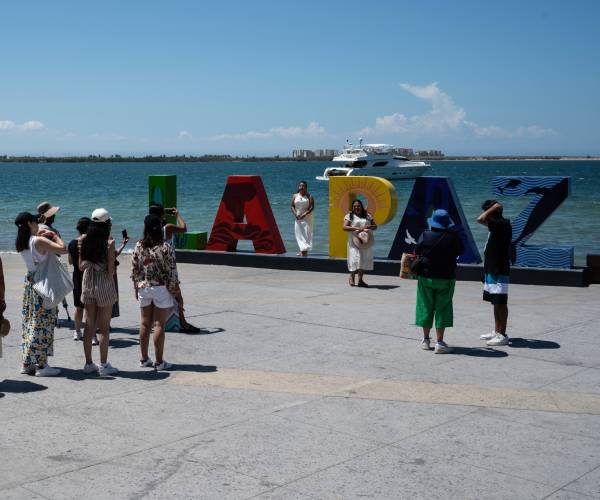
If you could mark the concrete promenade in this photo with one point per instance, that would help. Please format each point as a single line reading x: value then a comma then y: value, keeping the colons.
x: 301, y: 387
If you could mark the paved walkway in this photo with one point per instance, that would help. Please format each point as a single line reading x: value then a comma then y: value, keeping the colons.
x: 301, y: 387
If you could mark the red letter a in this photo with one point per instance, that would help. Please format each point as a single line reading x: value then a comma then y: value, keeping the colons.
x: 245, y: 195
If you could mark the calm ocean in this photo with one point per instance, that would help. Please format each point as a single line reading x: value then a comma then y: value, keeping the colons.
x: 122, y: 189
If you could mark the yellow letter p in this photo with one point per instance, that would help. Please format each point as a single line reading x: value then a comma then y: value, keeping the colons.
x: 382, y: 202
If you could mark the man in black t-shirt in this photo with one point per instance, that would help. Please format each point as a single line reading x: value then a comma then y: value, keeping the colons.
x: 496, y: 269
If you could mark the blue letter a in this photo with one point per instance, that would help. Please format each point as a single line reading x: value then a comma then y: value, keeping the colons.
x: 429, y: 194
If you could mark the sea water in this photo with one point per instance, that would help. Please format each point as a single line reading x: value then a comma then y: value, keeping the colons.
x: 122, y: 188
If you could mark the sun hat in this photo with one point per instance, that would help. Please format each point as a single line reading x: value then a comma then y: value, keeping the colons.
x: 46, y: 209
x: 101, y: 215
x: 23, y: 218
x: 440, y: 219
x: 363, y: 239
x: 152, y: 222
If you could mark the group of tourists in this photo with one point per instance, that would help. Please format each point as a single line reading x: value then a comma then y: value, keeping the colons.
x: 93, y: 256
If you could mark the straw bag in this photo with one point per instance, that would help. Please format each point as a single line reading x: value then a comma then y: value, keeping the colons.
x: 406, y: 271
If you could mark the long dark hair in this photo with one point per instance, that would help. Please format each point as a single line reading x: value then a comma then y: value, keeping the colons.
x: 363, y: 212
x: 23, y: 235
x: 153, y: 234
x: 23, y: 230
x: 94, y: 247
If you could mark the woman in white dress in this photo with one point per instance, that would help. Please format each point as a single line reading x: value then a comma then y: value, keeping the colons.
x: 360, y: 226
x: 303, y: 205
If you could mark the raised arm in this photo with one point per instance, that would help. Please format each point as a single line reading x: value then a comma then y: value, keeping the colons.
x: 179, y: 227
x: 483, y: 218
x: 54, y: 245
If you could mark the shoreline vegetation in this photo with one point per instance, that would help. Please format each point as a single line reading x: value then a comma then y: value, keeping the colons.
x: 229, y: 158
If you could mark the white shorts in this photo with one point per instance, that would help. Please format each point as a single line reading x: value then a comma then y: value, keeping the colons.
x: 159, y: 295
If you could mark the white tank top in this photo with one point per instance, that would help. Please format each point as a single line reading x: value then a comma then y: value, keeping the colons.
x: 31, y: 256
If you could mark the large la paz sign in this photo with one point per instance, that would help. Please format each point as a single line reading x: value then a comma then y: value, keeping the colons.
x: 245, y: 214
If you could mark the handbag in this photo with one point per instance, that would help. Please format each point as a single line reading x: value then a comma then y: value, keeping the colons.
x: 421, y: 262
x: 405, y: 266
x: 52, y: 281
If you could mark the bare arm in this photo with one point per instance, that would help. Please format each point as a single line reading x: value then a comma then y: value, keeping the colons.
x: 119, y: 250
x: 111, y: 257
x: 179, y: 227
x: 483, y: 218
x: 55, y: 245
x: 348, y: 227
x: 293, y: 206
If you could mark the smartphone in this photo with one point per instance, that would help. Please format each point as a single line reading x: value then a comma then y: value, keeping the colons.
x: 169, y: 211
x: 124, y: 234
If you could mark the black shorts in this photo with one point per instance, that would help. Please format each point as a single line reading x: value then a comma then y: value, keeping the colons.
x: 495, y: 298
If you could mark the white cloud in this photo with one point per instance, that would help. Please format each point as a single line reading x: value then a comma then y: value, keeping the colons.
x: 184, y: 134
x: 445, y: 116
x: 23, y: 127
x: 389, y: 124
x: 313, y: 129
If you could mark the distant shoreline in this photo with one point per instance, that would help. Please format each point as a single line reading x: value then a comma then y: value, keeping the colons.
x: 229, y: 158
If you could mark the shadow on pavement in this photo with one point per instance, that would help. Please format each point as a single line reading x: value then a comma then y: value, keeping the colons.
x: 130, y: 331
x: 122, y: 343
x: 147, y: 374
x: 194, y: 368
x: 79, y: 375
x: 383, y: 287
x: 533, y: 344
x: 480, y: 352
x: 203, y: 331
x: 20, y: 386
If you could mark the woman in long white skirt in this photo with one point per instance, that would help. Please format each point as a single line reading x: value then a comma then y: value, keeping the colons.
x: 303, y: 205
x: 360, y: 226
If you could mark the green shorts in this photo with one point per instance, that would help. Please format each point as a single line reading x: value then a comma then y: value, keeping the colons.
x: 434, y: 299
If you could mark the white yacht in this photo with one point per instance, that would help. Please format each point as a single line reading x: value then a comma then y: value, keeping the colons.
x: 377, y: 160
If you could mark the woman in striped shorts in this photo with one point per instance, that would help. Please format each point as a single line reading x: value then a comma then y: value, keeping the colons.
x: 98, y: 293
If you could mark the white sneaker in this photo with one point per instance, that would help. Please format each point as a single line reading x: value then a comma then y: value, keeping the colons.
x: 488, y: 336
x: 95, y: 341
x: 442, y: 348
x: 426, y: 344
x: 75, y: 336
x: 90, y: 368
x: 47, y: 371
x: 163, y: 366
x: 107, y: 369
x: 498, y: 340
x: 147, y: 363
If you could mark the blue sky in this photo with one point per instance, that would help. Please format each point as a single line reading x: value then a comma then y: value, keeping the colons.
x: 265, y: 77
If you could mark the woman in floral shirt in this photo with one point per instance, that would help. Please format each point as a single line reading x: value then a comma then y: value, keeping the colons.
x: 155, y: 281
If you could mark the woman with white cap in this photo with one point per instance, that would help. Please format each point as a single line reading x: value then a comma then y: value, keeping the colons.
x: 360, y: 226
x: 439, y: 248
x: 34, y: 244
x: 98, y: 293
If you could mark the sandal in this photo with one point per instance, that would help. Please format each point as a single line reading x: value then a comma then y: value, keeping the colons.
x: 351, y: 281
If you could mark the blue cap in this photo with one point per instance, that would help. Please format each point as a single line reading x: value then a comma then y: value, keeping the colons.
x: 440, y: 219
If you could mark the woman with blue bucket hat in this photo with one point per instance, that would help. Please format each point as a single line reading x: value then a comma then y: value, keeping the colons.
x: 438, y: 248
